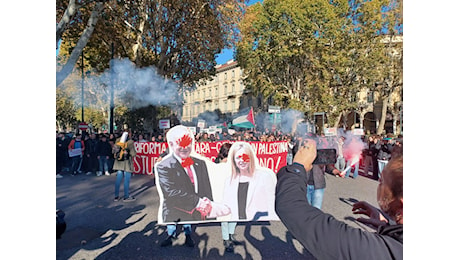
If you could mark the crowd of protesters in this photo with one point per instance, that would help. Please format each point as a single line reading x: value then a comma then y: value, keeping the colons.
x: 98, y: 155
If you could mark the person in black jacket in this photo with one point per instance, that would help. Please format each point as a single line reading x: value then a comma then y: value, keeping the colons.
x: 104, y: 153
x: 327, y: 238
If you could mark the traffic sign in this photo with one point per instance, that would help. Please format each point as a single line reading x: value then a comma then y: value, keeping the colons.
x: 83, y: 126
x: 165, y: 124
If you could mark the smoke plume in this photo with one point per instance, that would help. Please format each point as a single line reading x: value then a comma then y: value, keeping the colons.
x: 133, y: 87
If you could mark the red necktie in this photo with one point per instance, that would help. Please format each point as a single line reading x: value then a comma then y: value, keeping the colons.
x: 190, y: 174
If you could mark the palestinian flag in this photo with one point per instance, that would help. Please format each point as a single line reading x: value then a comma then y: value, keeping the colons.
x: 245, y: 121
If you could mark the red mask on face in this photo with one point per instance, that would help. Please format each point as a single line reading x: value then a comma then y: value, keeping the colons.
x: 245, y: 157
x: 184, y: 141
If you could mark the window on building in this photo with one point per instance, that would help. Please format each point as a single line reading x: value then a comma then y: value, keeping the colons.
x: 217, y: 92
x: 225, y: 75
x: 233, y: 73
x: 233, y: 88
x: 370, y: 96
x: 353, y: 98
x: 225, y: 90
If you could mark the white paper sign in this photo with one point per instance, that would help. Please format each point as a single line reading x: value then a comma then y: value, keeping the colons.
x: 75, y: 152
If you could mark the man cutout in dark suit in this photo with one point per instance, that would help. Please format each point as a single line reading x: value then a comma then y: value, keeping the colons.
x: 184, y: 182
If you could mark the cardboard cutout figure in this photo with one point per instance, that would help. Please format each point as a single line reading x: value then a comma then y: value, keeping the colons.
x: 193, y: 189
x: 250, y: 189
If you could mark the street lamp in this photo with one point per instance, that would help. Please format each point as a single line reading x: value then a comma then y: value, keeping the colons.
x: 82, y: 89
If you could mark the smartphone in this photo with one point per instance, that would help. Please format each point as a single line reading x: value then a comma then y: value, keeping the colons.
x: 325, y: 156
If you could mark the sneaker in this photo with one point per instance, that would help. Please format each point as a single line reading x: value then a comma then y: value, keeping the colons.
x: 129, y: 199
x: 98, y: 173
x: 117, y: 198
x: 107, y: 173
x: 89, y: 173
x: 228, y: 246
x: 167, y: 242
x: 189, y: 241
x: 59, y: 175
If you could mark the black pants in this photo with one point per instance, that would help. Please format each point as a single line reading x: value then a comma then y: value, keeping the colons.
x: 91, y: 163
x: 375, y: 168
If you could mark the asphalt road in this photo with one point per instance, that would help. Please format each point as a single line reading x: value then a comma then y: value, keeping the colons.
x: 99, y: 228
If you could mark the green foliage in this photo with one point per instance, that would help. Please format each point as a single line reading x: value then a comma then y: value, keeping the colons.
x: 65, y: 109
x: 179, y: 37
x: 311, y: 53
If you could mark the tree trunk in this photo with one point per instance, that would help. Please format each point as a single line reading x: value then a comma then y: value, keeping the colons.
x: 144, y: 17
x: 337, y: 121
x: 65, y: 20
x: 383, y: 116
x: 70, y: 64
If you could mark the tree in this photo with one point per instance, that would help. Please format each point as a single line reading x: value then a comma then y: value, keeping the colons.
x: 65, y: 110
x: 390, y: 70
x: 313, y: 55
x: 296, y: 51
x: 181, y: 38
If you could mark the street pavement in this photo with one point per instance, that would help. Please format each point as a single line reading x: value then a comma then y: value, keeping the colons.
x: 99, y: 228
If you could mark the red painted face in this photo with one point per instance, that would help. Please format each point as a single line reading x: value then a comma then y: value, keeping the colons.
x: 184, y: 141
x: 245, y: 157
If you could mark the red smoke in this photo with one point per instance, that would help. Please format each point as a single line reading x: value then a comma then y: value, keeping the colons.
x: 353, y: 148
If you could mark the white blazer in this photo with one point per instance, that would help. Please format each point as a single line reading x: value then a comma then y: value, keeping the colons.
x: 260, y: 198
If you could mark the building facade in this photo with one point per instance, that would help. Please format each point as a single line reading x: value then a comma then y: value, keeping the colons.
x: 226, y: 92
x: 223, y: 92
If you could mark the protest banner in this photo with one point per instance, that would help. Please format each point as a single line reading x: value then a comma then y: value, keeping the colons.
x: 271, y: 155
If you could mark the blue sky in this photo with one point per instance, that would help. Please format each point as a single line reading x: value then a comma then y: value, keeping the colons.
x: 227, y: 54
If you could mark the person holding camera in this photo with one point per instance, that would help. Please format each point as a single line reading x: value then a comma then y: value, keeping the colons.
x: 327, y: 238
x: 124, y: 155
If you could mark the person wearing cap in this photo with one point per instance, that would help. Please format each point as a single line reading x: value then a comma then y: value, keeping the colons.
x: 124, y: 165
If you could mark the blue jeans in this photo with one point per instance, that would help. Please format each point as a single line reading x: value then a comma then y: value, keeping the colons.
x: 120, y: 175
x: 227, y: 229
x: 356, y: 171
x: 172, y: 229
x: 315, y: 196
x: 382, y: 164
x: 340, y: 164
x: 103, y: 164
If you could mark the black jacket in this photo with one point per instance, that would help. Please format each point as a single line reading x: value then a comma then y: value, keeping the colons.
x: 316, y: 175
x: 104, y: 149
x: 320, y: 233
x: 178, y: 191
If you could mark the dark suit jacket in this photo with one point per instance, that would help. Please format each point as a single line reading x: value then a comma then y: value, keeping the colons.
x: 178, y: 191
